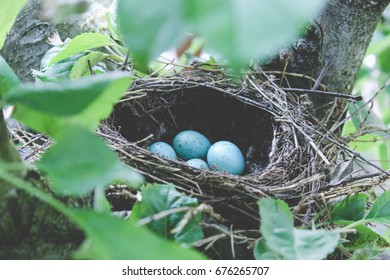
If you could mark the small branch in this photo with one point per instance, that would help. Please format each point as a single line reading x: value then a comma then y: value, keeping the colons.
x: 90, y: 67
x: 328, y: 93
x: 322, y: 74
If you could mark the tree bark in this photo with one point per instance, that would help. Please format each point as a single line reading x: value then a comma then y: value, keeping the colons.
x: 26, y: 43
x: 339, y: 37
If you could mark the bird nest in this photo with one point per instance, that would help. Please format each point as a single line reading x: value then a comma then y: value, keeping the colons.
x: 288, y: 152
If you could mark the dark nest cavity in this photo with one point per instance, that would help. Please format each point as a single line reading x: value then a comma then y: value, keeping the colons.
x: 216, y: 115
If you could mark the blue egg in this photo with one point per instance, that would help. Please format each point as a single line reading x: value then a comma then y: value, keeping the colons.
x: 198, y: 163
x: 225, y: 156
x: 163, y: 150
x: 190, y: 144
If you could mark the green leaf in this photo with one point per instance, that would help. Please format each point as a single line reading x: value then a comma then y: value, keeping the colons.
x: 363, y: 236
x: 100, y: 201
x: 8, y: 12
x: 315, y: 244
x: 240, y: 30
x: 277, y: 226
x: 350, y: 209
x: 113, y: 238
x: 82, y: 43
x: 369, y: 252
x: 261, y: 252
x: 283, y: 239
x: 60, y: 71
x: 149, y: 29
x: 8, y: 78
x: 81, y: 66
x: 379, y: 46
x: 48, y: 108
x: 80, y: 162
x: 160, y: 198
x: 243, y: 30
x: 380, y: 210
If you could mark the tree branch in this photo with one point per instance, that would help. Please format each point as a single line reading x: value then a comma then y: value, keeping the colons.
x: 8, y: 152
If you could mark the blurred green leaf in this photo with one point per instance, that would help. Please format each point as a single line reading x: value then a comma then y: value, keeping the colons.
x: 116, y: 239
x: 80, y: 162
x: 350, y: 209
x: 369, y: 252
x: 160, y: 198
x: 81, y: 66
x: 380, y: 210
x: 8, y: 12
x: 240, y: 30
x: 384, y: 154
x: 277, y: 226
x: 100, y: 201
x: 386, y: 235
x: 262, y: 252
x: 243, y: 30
x: 283, y: 239
x: 380, y: 46
x: 50, y: 107
x: 151, y: 27
x: 82, y: 43
x: 384, y: 61
x: 8, y: 78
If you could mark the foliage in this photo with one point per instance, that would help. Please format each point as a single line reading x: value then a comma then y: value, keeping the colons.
x: 8, y: 12
x: 351, y: 214
x: 283, y: 241
x: 71, y: 164
x: 108, y: 237
x: 227, y: 26
x: 160, y: 199
x: 74, y: 93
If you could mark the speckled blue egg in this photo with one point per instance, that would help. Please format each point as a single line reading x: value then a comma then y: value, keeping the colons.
x: 198, y: 163
x: 190, y: 144
x: 163, y: 150
x: 225, y: 156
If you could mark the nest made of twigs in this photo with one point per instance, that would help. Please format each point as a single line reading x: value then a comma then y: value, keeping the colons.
x: 287, y: 155
x: 290, y: 154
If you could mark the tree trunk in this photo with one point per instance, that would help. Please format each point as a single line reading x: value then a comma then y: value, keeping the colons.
x: 338, y: 39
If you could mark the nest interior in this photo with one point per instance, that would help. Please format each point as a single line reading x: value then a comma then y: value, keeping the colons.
x: 216, y: 115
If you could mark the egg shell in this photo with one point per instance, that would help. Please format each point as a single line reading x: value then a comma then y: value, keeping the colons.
x: 226, y: 156
x: 163, y: 150
x: 198, y: 163
x: 190, y: 144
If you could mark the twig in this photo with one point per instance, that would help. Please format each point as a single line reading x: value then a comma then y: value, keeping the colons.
x: 328, y: 93
x: 328, y: 63
x: 90, y: 67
